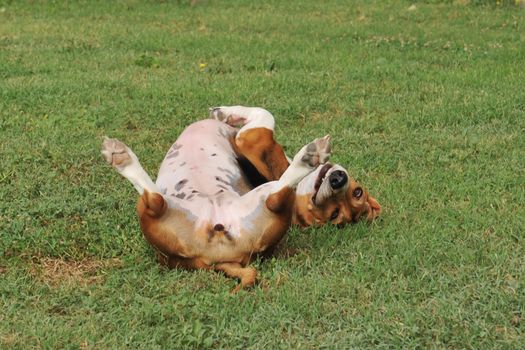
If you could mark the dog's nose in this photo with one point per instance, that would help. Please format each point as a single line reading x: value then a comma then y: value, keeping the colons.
x: 338, y: 179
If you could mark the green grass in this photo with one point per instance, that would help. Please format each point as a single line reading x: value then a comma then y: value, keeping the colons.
x: 426, y: 107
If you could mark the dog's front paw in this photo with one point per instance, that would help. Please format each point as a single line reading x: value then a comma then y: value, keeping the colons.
x: 216, y: 113
x: 317, y: 152
x: 116, y: 153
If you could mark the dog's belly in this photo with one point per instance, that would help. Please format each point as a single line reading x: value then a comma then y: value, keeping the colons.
x: 201, y: 178
x: 202, y: 163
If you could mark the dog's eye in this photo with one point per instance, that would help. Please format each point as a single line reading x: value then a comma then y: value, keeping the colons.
x: 335, y: 214
x: 358, y: 192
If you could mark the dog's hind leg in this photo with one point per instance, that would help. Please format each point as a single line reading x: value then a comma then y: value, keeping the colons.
x: 162, y: 223
x: 122, y: 158
x: 255, y: 139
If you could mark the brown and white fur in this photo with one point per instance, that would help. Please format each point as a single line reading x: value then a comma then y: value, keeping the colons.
x: 224, y: 194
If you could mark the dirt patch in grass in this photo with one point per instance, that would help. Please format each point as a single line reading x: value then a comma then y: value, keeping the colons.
x: 54, y: 271
x: 9, y: 340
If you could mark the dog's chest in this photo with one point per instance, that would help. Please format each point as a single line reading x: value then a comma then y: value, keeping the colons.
x: 202, y: 163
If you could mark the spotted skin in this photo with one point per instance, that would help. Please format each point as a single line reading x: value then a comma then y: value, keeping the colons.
x: 200, y: 170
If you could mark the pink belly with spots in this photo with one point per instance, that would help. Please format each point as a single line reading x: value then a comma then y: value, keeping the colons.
x: 202, y: 163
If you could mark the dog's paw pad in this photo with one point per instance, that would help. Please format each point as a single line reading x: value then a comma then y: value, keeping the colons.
x: 216, y: 113
x: 317, y: 152
x: 115, y: 152
x: 223, y: 114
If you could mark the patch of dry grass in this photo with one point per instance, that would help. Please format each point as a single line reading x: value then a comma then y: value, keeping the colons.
x: 59, y: 272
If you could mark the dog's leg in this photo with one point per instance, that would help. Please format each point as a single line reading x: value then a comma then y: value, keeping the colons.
x: 266, y: 211
x: 244, y: 117
x: 122, y: 158
x: 152, y: 207
x: 305, y: 161
x: 247, y: 275
x: 255, y: 140
x: 167, y: 227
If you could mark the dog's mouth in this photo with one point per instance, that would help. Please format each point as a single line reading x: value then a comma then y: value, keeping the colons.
x: 320, y: 178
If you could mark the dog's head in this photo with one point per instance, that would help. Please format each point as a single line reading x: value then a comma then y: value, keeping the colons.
x: 330, y: 195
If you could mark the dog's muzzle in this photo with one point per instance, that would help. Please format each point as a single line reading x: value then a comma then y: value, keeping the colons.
x: 338, y: 179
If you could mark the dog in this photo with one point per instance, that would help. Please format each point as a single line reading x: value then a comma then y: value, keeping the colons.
x: 227, y: 192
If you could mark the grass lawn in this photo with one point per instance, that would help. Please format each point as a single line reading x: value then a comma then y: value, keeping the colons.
x: 425, y: 102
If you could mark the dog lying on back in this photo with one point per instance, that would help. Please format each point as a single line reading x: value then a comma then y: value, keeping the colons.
x: 226, y: 192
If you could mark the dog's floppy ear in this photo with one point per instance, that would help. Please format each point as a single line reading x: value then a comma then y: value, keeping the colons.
x: 374, y: 209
